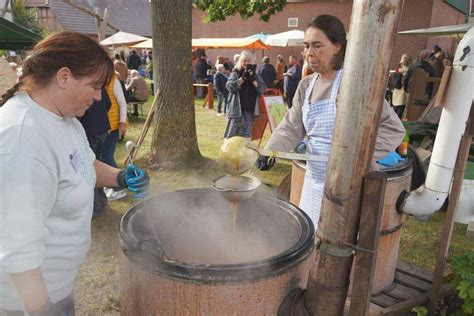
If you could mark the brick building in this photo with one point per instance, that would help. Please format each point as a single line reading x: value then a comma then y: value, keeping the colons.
x: 133, y: 16
x: 416, y: 14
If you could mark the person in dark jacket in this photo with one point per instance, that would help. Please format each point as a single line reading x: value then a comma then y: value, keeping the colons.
x: 245, y: 87
x: 292, y: 78
x: 268, y: 73
x: 200, y: 73
x: 134, y: 60
x: 421, y: 62
x: 96, y: 125
x: 220, y: 80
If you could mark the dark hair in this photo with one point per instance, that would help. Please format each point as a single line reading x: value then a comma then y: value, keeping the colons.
x: 117, y: 56
x: 81, y: 54
x: 333, y: 28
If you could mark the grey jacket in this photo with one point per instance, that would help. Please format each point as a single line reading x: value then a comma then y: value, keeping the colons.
x: 234, y: 109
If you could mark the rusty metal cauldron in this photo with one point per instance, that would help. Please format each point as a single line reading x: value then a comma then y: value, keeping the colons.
x: 201, y: 266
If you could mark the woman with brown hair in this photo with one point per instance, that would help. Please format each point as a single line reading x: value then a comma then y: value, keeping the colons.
x: 314, y: 111
x: 48, y: 174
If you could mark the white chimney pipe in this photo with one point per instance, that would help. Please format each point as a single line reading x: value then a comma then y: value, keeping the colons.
x: 459, y: 97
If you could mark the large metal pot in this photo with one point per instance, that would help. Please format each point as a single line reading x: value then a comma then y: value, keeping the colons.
x: 181, y: 256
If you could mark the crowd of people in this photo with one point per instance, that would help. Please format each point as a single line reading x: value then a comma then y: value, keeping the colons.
x: 432, y: 63
x: 281, y: 76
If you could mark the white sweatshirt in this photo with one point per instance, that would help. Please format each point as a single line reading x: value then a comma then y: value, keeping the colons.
x: 47, y: 180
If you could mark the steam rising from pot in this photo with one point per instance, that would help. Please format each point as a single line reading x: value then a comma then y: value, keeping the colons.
x: 198, y: 229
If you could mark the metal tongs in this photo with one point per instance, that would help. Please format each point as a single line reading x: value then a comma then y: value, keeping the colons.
x: 291, y: 156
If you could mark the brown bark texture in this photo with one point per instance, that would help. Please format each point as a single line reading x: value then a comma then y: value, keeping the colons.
x: 174, y: 142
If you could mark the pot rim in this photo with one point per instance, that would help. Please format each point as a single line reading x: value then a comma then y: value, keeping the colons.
x: 255, y: 180
x: 155, y: 262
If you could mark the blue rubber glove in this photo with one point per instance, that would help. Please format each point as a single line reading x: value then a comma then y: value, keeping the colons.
x: 391, y: 159
x: 135, y: 180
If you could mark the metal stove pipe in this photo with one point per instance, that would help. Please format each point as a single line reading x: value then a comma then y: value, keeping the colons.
x: 459, y: 97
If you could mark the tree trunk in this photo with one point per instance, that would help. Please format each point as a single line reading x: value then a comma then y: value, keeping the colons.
x: 174, y: 142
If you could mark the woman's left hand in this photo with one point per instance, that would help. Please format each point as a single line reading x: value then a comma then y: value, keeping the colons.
x: 134, y: 179
x: 122, y: 130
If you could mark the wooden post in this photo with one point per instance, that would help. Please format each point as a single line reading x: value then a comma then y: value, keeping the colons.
x: 458, y: 177
x: 369, y: 227
x: 470, y: 230
x: 373, y: 30
x: 103, y: 25
x: 146, y: 126
x: 210, y: 96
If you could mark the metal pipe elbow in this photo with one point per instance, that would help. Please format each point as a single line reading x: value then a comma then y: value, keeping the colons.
x: 421, y: 203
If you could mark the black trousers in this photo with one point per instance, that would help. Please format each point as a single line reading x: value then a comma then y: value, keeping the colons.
x: 289, y: 99
x: 100, y: 200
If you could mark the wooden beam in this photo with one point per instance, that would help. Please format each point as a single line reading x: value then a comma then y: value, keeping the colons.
x: 103, y: 25
x: 146, y: 126
x: 73, y: 4
x: 458, y: 177
x: 352, y: 149
x: 369, y: 227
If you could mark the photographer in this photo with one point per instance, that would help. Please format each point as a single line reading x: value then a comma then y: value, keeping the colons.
x: 245, y: 87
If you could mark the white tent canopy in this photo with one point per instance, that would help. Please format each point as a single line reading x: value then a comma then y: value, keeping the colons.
x: 145, y: 44
x: 123, y: 38
x: 289, y: 38
x: 440, y: 31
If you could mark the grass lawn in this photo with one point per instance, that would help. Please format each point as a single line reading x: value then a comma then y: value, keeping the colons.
x: 97, y: 287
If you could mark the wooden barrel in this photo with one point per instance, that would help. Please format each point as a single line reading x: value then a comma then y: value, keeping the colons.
x: 391, y: 222
x: 164, y: 255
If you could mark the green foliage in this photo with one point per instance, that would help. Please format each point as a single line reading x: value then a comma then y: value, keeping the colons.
x: 463, y: 280
x: 420, y: 310
x: 218, y: 10
x: 26, y: 17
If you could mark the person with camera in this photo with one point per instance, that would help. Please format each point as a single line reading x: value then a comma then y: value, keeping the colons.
x: 245, y: 87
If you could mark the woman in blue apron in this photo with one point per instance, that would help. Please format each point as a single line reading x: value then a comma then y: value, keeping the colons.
x: 314, y: 111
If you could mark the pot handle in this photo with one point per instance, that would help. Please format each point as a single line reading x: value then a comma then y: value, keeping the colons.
x: 151, y: 245
x: 220, y: 189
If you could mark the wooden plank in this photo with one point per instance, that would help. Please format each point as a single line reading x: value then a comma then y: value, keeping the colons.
x: 369, y: 227
x: 439, y: 101
x: 458, y: 177
x: 401, y: 292
x: 404, y: 308
x: 414, y: 271
x: 382, y: 300
x: 412, y: 282
x: 374, y: 310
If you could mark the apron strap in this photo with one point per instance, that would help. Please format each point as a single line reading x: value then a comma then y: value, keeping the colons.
x: 309, y: 90
x: 336, y: 84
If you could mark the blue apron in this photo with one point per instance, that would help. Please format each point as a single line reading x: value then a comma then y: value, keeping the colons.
x: 318, y: 120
